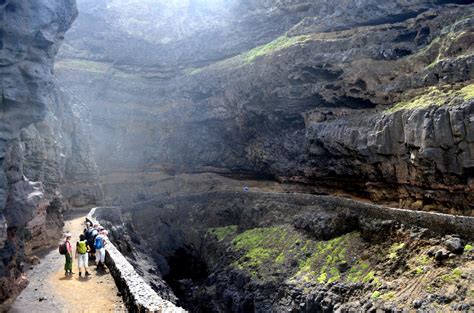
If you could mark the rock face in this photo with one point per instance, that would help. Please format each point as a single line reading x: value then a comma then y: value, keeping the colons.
x: 372, y: 99
x: 268, y: 252
x: 30, y: 35
x: 57, y: 152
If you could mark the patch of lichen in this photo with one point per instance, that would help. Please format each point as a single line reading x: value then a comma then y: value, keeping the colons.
x: 92, y: 67
x: 419, y: 265
x: 435, y: 96
x: 468, y: 248
x: 222, y: 232
x: 322, y: 263
x: 453, y: 43
x: 280, y: 43
x: 83, y: 65
x: 467, y: 92
x: 389, y: 296
x: 394, y: 248
x: 264, y: 248
x: 451, y: 46
x: 193, y: 70
x: 452, y: 59
x: 283, y: 252
x: 453, y: 276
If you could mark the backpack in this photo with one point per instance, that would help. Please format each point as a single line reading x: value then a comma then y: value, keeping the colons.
x: 99, y: 242
x: 82, y: 247
x: 63, y: 248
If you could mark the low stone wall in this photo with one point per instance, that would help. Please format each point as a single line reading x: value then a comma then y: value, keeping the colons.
x: 436, y: 222
x: 137, y: 294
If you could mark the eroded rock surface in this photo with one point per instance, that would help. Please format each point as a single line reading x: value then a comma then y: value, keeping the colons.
x: 30, y: 35
x: 228, y: 251
x: 368, y: 98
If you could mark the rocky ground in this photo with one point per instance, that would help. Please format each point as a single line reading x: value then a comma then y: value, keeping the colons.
x: 238, y: 252
x: 279, y: 268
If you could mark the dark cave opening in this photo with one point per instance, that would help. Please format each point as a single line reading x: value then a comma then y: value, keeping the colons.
x: 187, y: 270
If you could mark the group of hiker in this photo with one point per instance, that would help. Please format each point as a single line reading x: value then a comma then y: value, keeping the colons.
x: 91, y: 244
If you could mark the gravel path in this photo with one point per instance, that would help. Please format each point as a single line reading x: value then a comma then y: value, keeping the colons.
x: 50, y: 290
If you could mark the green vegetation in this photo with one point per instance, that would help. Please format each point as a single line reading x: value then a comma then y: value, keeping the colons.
x: 248, y: 57
x: 193, y: 70
x: 444, y: 46
x: 269, y: 252
x: 264, y: 252
x: 83, y: 65
x: 222, y: 232
x: 453, y: 276
x: 467, y: 92
x: 430, y: 289
x: 280, y: 43
x: 359, y: 272
x: 418, y: 270
x: 322, y: 259
x: 92, y: 67
x: 263, y: 247
x: 394, y: 248
x: 434, y: 96
x: 439, y: 60
x: 424, y: 260
x: 375, y: 295
x: 468, y: 248
x: 389, y: 296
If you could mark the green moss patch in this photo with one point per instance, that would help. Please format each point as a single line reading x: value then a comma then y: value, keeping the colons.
x: 248, y: 57
x: 83, y: 65
x: 468, y: 248
x: 453, y: 276
x: 434, y: 96
x: 375, y: 295
x: 92, y: 67
x: 321, y: 263
x: 280, y: 43
x: 394, y: 248
x: 281, y: 253
x: 389, y: 296
x: 222, y: 232
x: 264, y: 249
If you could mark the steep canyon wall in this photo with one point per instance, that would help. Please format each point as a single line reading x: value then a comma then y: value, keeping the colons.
x: 44, y: 148
x: 369, y: 98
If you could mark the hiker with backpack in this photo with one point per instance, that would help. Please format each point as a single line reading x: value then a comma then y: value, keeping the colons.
x: 90, y: 233
x: 66, y: 249
x: 99, y: 243
x: 82, y: 255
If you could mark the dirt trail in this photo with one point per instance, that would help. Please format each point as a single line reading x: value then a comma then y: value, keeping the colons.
x: 51, y: 291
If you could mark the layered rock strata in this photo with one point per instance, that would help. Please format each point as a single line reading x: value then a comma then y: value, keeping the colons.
x: 367, y: 98
x: 30, y: 35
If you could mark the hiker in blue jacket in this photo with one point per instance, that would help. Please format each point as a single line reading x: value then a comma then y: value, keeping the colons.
x: 99, y: 244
